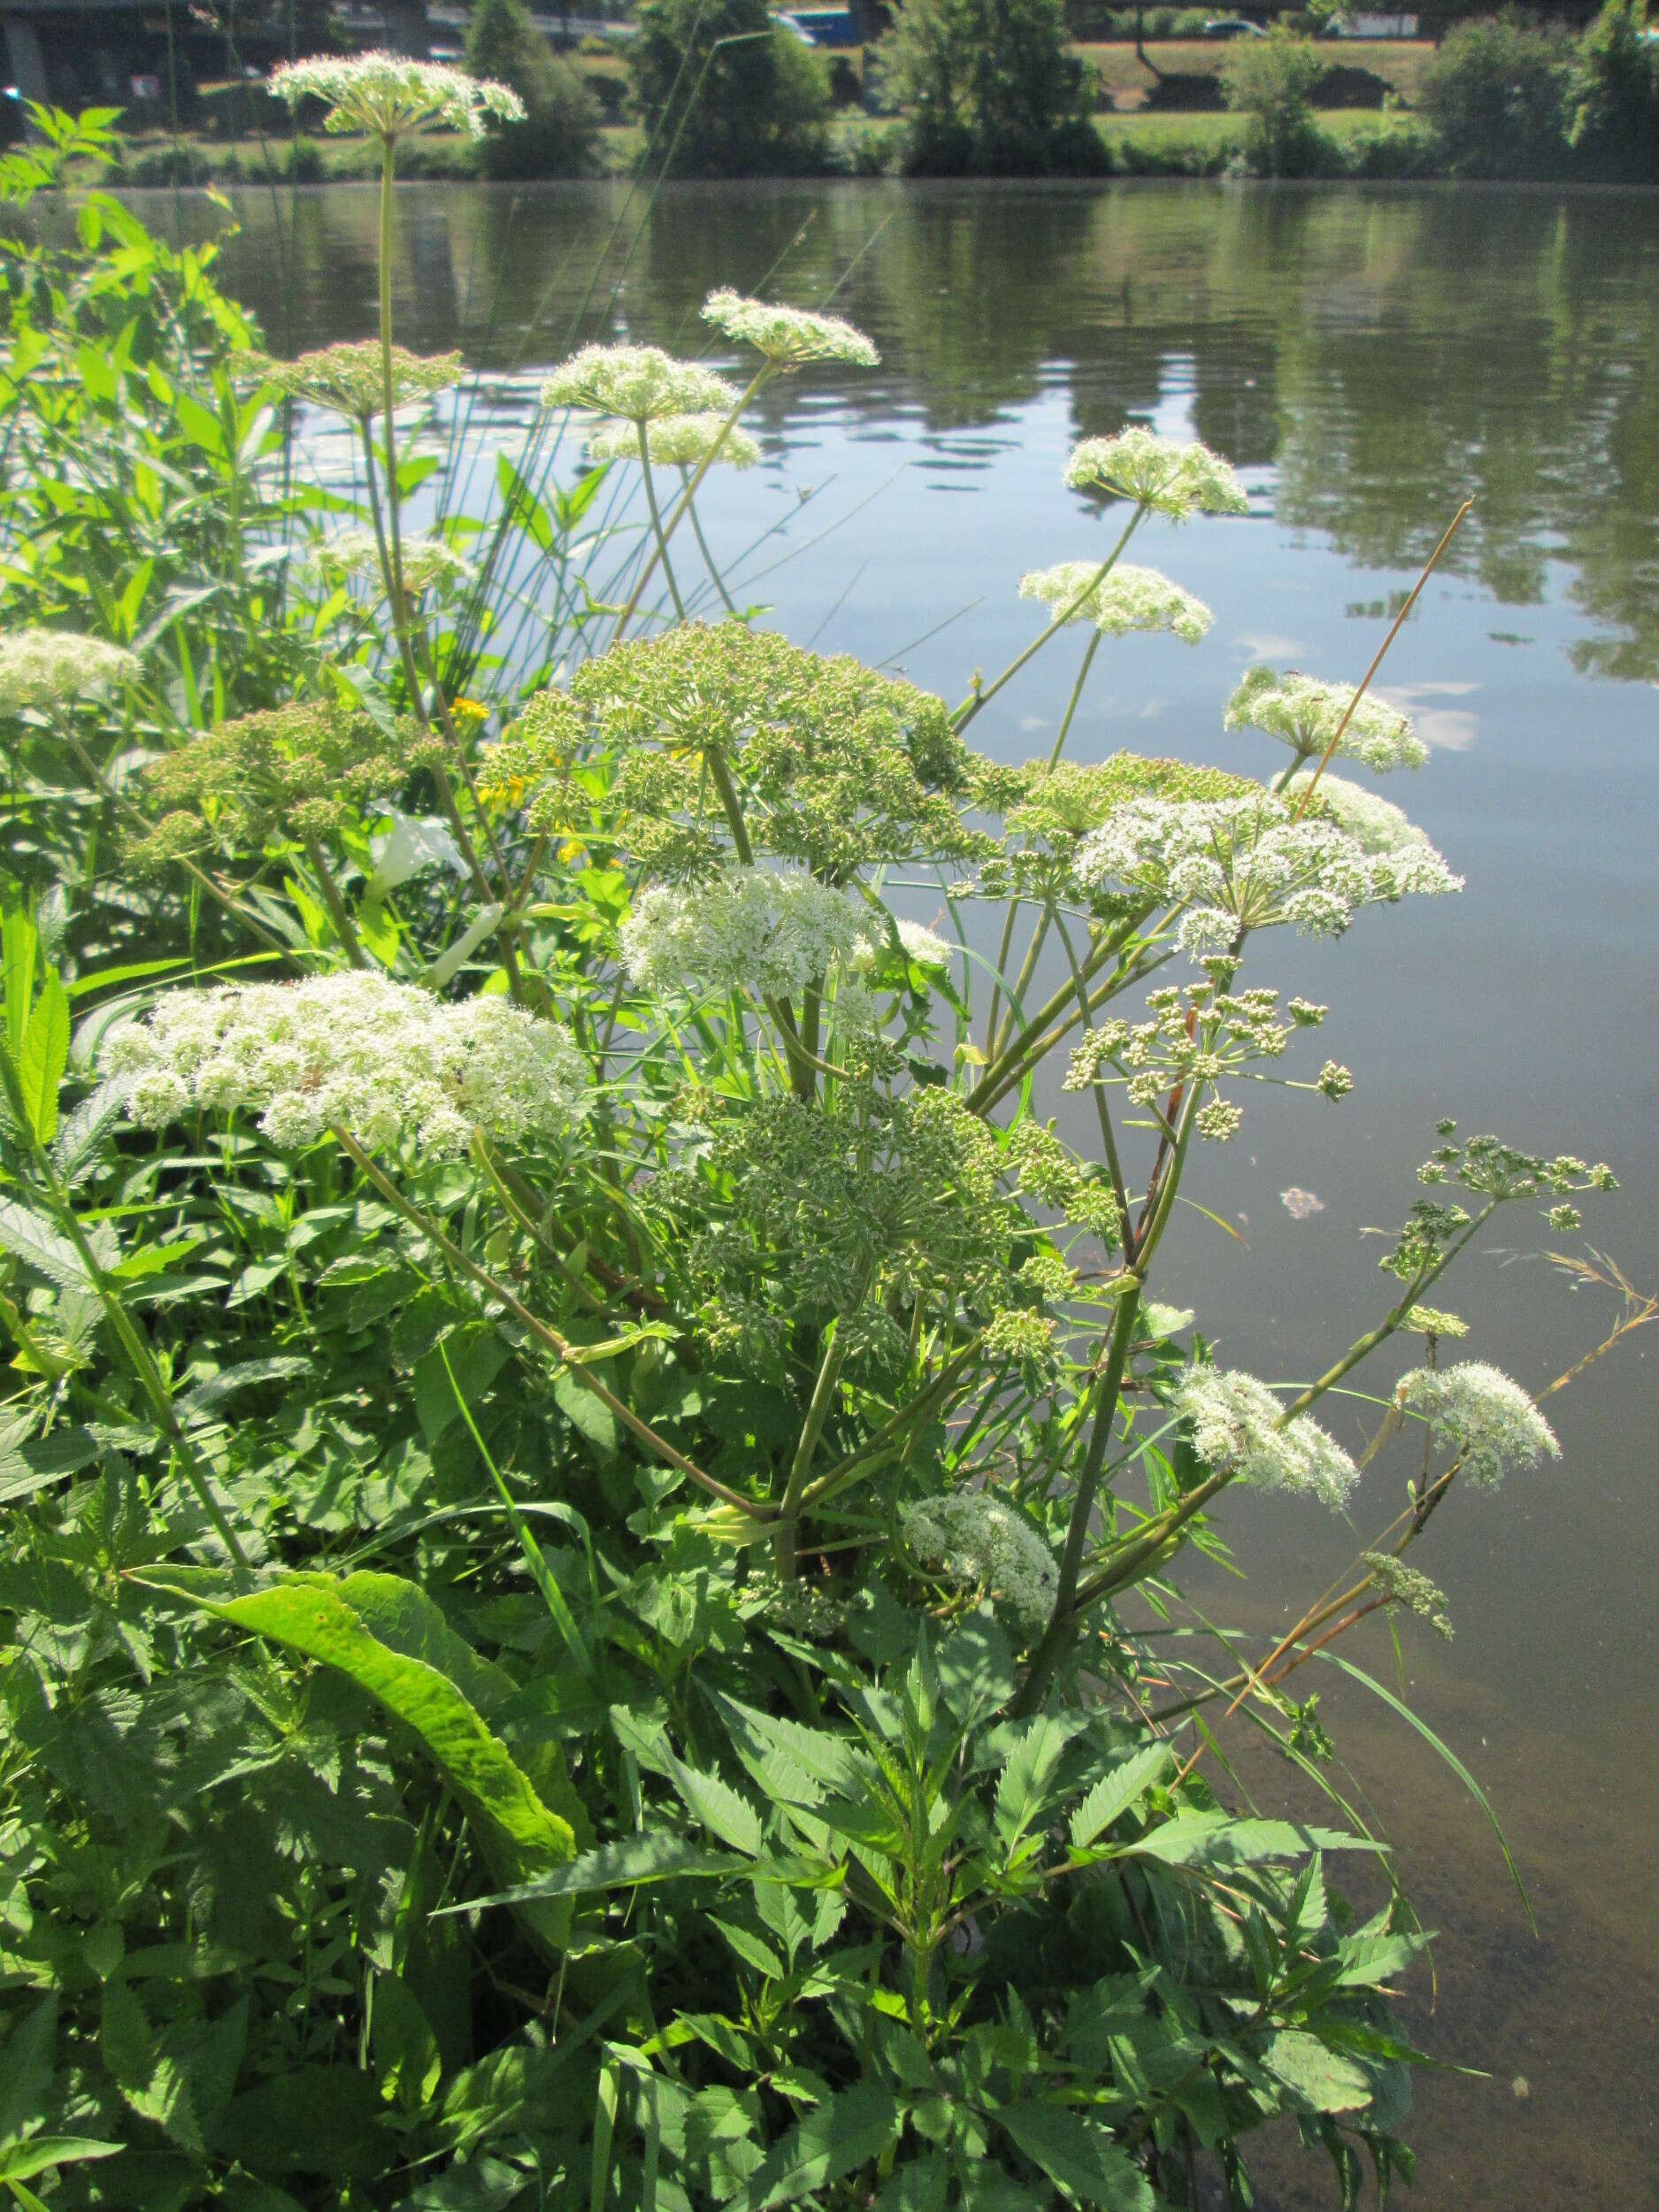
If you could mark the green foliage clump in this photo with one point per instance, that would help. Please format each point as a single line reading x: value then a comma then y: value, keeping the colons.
x: 560, y: 126
x: 1614, y: 131
x: 573, y: 1626
x: 1273, y: 80
x: 1496, y: 94
x: 992, y: 88
x: 725, y: 92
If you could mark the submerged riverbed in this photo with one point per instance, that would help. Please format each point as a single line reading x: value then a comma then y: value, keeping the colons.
x: 1369, y: 359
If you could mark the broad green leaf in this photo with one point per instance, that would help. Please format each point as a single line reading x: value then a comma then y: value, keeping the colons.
x: 43, y: 1058
x: 588, y: 1414
x: 21, y: 2161
x: 789, y: 1762
x: 1115, y: 1793
x: 309, y: 1615
x: 1319, y: 2076
x: 1079, y: 2156
x: 974, y: 1665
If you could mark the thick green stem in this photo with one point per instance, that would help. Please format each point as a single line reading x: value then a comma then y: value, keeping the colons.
x: 817, y: 1413
x: 1102, y: 1414
x: 344, y: 927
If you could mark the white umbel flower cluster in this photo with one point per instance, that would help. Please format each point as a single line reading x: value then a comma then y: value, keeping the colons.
x: 1481, y: 1415
x: 923, y: 945
x: 676, y: 441
x: 1243, y: 863
x: 47, y: 668
x: 789, y: 337
x: 1125, y: 598
x: 1236, y: 1430
x: 385, y: 1060
x: 982, y: 1544
x: 637, y: 384
x: 1375, y: 824
x: 765, y: 932
x: 1170, y: 476
x: 387, y: 95
x: 1306, y: 714
x: 429, y: 564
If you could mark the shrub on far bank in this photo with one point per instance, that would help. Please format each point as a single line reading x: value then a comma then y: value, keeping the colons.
x: 993, y: 90
x: 1614, y: 129
x: 561, y: 125
x: 715, y: 108
x: 1271, y: 81
x: 1496, y: 96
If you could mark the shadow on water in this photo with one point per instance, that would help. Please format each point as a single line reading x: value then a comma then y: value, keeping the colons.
x: 1368, y: 358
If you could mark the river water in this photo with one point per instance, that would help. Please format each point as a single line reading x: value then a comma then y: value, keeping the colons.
x: 1368, y: 358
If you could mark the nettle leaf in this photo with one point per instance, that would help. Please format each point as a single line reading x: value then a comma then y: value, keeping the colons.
x: 1217, y: 1840
x: 33, y: 1241
x: 1316, y: 2074
x: 830, y: 2142
x: 974, y: 1663
x: 723, y: 1811
x: 1115, y: 1793
x: 311, y: 1615
x: 1078, y: 2155
x: 1028, y: 1787
x: 795, y: 1764
x: 655, y: 1856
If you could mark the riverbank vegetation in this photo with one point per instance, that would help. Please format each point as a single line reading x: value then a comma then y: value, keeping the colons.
x: 595, y: 1493
x: 957, y: 87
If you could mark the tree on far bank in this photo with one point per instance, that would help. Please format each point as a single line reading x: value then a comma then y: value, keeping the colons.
x: 561, y: 116
x: 992, y: 86
x: 724, y: 92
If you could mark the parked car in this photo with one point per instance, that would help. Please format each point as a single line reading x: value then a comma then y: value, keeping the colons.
x: 1233, y: 27
x: 795, y: 30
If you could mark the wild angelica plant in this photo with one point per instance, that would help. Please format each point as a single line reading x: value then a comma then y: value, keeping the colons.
x: 589, y: 1495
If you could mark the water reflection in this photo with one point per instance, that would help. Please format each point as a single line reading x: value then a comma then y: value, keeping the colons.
x: 1388, y: 351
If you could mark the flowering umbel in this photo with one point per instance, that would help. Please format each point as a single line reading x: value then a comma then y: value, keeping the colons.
x: 1170, y: 476
x: 1306, y: 715
x: 385, y: 95
x: 1481, y: 1415
x: 1125, y: 598
x: 385, y: 1061
x: 348, y: 377
x: 788, y: 336
x: 676, y: 441
x: 47, y: 668
x: 637, y: 383
x: 1238, y: 1428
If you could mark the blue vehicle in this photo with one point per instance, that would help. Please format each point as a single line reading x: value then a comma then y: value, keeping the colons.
x: 823, y: 26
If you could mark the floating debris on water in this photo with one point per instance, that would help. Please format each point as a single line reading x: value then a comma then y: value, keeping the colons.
x: 1301, y: 1204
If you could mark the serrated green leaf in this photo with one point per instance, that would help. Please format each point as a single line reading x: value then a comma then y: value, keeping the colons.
x: 44, y: 1056
x: 39, y: 1245
x: 1319, y: 2076
x: 830, y: 2142
x: 1078, y: 2155
x: 1115, y: 1793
